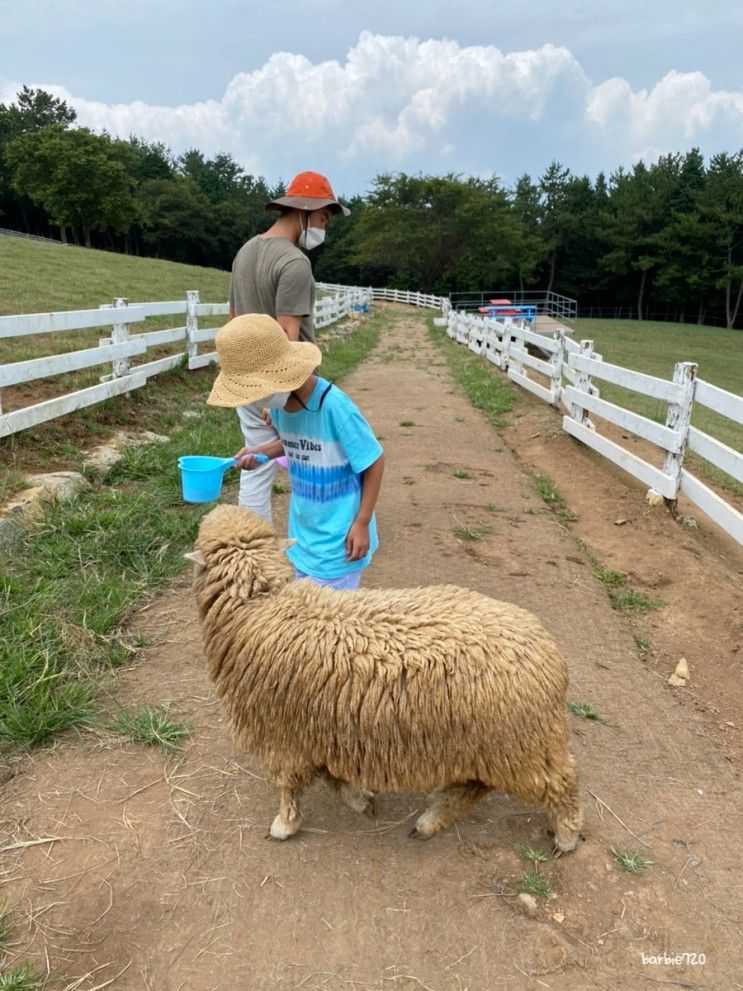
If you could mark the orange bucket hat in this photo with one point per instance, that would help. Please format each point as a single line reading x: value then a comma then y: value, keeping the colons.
x: 309, y: 191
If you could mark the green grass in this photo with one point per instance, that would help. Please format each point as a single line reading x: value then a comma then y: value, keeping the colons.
x: 654, y: 348
x: 532, y: 883
x: 21, y: 978
x: 11, y: 482
x: 549, y: 494
x: 85, y: 565
x: 36, y: 278
x: 585, y: 711
x: 467, y: 532
x: 461, y: 473
x: 6, y: 927
x: 632, y: 599
x: 486, y: 389
x: 643, y: 644
x: 533, y: 855
x: 407, y: 423
x: 621, y: 595
x: 631, y: 861
x: 151, y: 726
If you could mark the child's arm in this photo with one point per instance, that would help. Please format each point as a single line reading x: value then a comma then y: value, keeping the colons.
x: 357, y: 538
x: 272, y: 448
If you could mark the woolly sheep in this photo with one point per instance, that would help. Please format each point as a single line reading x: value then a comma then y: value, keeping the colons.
x: 438, y: 689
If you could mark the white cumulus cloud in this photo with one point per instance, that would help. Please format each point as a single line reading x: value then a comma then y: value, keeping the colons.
x: 680, y: 109
x: 401, y: 103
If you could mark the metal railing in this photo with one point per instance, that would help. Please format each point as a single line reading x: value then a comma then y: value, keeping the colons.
x: 547, y: 303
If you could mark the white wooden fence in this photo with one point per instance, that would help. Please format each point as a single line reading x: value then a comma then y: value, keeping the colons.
x: 569, y: 371
x: 123, y: 345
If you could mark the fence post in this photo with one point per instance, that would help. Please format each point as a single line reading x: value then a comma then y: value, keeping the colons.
x: 678, y: 418
x: 505, y: 355
x: 192, y: 323
x: 582, y: 383
x: 120, y: 367
x: 558, y: 358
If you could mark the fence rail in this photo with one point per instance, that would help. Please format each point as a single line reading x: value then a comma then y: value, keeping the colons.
x: 29, y: 237
x: 569, y: 372
x: 124, y: 344
x: 566, y: 372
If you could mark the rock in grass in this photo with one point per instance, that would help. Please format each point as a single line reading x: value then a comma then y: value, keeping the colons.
x: 528, y: 904
x: 58, y: 485
x: 681, y: 675
x: 11, y: 537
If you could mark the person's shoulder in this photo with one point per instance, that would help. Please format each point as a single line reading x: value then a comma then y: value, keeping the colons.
x: 342, y: 403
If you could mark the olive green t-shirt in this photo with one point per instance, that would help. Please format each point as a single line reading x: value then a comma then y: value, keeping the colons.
x: 271, y: 275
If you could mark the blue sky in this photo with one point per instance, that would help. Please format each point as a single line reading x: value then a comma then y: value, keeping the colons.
x: 353, y: 89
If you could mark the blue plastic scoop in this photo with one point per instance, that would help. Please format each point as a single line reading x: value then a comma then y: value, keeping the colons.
x: 201, y: 476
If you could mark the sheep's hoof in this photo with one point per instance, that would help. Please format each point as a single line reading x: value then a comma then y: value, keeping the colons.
x: 416, y: 834
x: 281, y: 830
x: 565, y: 843
x: 357, y: 799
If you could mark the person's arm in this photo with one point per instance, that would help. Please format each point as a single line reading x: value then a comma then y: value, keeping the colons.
x: 290, y: 325
x: 357, y: 538
x: 271, y: 448
x: 293, y: 300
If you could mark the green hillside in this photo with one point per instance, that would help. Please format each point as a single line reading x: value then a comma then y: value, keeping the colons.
x: 37, y: 278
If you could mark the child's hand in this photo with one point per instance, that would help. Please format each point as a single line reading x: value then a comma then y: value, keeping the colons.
x: 266, y: 414
x: 357, y: 541
x: 245, y: 458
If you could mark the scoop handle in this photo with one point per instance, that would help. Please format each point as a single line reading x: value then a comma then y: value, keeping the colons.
x: 260, y: 458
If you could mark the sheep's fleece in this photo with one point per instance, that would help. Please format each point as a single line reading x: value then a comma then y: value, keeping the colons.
x: 437, y: 689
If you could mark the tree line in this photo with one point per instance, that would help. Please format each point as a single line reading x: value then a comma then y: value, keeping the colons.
x: 663, y: 240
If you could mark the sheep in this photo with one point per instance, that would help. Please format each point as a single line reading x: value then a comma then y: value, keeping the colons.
x: 437, y: 689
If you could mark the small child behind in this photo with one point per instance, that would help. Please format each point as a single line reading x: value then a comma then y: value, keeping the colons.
x: 335, y: 462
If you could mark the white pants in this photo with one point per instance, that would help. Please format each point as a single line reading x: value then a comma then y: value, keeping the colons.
x: 256, y: 485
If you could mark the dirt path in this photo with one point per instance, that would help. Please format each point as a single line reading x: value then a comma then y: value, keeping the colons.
x: 161, y: 873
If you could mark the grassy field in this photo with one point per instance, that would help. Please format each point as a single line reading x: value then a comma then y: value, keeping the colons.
x: 42, y: 278
x: 39, y: 278
x: 654, y: 348
x: 65, y: 597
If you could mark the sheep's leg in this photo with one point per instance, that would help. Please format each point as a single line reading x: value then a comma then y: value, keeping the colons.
x: 563, y: 808
x: 357, y: 799
x: 445, y: 805
x: 289, y: 819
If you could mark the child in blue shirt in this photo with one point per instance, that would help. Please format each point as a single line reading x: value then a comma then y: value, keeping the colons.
x: 334, y: 460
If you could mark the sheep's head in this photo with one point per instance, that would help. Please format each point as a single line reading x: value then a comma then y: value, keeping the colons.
x: 238, y: 551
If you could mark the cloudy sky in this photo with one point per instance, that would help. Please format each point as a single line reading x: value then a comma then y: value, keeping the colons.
x: 353, y: 88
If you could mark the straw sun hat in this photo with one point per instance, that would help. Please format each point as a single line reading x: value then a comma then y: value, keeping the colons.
x: 257, y: 359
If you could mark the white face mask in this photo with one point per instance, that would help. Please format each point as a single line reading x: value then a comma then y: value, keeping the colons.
x: 311, y: 238
x: 277, y: 400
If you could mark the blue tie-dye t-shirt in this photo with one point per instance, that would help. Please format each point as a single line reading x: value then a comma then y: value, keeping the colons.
x: 327, y: 446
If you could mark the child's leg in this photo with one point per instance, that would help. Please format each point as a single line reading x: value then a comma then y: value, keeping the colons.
x: 346, y: 583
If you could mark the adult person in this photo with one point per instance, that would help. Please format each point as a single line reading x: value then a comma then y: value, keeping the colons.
x: 270, y: 274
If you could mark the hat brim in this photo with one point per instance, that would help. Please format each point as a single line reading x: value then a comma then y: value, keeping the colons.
x: 242, y: 390
x: 307, y: 203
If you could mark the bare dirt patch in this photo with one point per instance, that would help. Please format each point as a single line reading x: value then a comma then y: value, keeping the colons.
x: 154, y: 871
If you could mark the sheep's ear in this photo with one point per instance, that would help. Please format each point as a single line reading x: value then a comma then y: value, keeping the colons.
x: 197, y: 557
x: 284, y: 545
